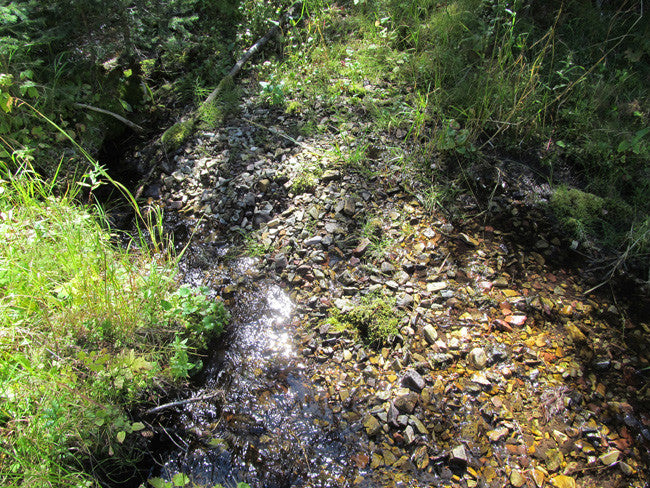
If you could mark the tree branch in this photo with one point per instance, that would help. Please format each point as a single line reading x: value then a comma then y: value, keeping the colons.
x: 130, y: 124
x: 179, y: 403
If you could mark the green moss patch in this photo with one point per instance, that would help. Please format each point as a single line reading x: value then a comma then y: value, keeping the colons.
x: 375, y: 320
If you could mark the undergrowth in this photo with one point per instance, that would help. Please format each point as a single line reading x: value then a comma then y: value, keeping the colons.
x: 565, y: 83
x: 86, y: 329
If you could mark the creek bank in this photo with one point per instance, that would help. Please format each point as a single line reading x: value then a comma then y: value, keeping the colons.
x: 501, y: 370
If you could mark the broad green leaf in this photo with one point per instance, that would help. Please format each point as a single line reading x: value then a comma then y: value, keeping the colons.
x: 6, y: 101
x: 121, y: 435
x: 180, y: 479
x: 159, y: 483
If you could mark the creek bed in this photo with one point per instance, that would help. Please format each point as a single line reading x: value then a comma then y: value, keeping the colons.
x: 267, y: 425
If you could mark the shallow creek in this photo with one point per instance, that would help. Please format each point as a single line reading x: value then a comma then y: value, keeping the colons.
x: 266, y: 425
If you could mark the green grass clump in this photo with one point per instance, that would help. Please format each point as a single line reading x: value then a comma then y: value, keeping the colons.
x: 381, y: 243
x: 375, y: 320
x: 589, y: 217
x: 86, y: 329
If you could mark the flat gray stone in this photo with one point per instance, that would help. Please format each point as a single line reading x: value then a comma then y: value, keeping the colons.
x: 330, y: 175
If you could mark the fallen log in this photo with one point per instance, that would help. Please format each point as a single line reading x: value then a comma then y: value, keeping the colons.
x: 176, y: 135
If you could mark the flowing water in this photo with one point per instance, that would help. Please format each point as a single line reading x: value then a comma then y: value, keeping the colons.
x: 267, y: 425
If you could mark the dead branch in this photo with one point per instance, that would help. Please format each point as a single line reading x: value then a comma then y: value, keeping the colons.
x: 254, y: 49
x: 179, y: 403
x: 126, y: 122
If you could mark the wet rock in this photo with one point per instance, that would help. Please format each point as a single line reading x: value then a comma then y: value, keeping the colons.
x: 392, y: 415
x: 413, y: 380
x: 610, y: 457
x: 441, y: 358
x: 562, y: 481
x: 389, y: 457
x: 430, y: 334
x: 371, y: 425
x: 421, y: 428
x: 576, y: 335
x: 497, y: 434
x: 626, y: 469
x: 538, y: 477
x: 517, y: 478
x: 406, y: 403
x: 409, y: 435
x: 459, y: 456
x: 501, y: 282
x: 477, y: 358
x: 498, y: 353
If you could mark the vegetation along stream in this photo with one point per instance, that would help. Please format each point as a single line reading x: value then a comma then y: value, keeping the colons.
x: 372, y: 243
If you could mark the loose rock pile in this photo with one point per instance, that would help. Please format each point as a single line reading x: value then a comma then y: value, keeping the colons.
x: 502, y: 372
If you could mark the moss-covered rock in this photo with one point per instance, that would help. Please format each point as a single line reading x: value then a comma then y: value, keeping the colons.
x: 375, y: 320
x: 174, y: 137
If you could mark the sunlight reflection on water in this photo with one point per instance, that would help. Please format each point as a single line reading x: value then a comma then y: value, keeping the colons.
x: 267, y: 337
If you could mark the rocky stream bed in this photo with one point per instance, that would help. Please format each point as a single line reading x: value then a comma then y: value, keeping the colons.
x: 503, y: 371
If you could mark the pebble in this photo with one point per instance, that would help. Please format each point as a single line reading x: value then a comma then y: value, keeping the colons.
x: 409, y: 435
x: 371, y: 425
x: 430, y: 334
x: 517, y: 478
x: 406, y: 403
x: 413, y: 380
x: 610, y: 457
x: 477, y: 358
x: 459, y: 456
x: 330, y: 175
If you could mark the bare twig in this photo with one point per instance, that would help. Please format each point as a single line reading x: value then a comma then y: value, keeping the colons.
x: 282, y: 134
x: 179, y: 403
x: 126, y: 122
